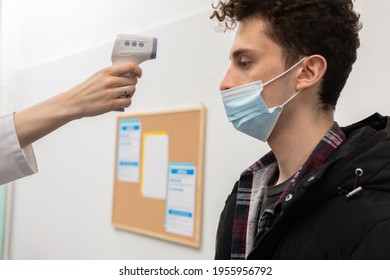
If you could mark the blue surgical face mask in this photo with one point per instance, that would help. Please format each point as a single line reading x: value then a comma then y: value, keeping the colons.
x: 247, y: 111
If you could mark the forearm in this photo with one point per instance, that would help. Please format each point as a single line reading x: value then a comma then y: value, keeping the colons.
x: 101, y: 93
x: 41, y: 119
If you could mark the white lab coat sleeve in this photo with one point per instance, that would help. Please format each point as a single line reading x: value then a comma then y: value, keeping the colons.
x: 15, y: 162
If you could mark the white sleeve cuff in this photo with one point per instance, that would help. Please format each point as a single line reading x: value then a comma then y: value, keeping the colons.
x: 15, y: 162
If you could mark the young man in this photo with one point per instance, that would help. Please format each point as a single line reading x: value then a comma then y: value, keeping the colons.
x: 323, y: 191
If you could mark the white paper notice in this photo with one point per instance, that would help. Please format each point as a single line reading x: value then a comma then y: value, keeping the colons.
x: 129, y: 150
x: 180, y: 207
x: 155, y: 165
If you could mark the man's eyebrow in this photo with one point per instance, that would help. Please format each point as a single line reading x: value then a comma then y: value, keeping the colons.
x: 239, y: 52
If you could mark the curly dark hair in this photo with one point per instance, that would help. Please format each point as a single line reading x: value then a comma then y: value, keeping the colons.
x: 302, y: 28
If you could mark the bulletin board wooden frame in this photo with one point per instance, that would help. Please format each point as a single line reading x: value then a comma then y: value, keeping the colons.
x: 135, y: 213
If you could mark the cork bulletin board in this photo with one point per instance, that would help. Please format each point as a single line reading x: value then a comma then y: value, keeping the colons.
x: 158, y: 178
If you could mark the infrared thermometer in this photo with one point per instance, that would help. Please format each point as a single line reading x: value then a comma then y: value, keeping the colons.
x: 133, y: 48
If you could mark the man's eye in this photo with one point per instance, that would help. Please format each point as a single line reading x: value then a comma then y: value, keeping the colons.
x: 244, y: 63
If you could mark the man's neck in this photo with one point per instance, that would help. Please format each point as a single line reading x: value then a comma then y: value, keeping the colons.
x: 295, y: 139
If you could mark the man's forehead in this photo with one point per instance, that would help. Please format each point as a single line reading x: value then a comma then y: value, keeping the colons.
x: 250, y: 37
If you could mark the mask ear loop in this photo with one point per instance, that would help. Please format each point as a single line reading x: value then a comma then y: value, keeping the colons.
x: 288, y: 100
x: 284, y: 73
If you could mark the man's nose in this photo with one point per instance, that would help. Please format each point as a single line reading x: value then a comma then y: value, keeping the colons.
x: 228, y: 81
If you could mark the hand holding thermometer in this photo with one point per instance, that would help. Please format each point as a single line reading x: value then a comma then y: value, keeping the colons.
x: 133, y: 48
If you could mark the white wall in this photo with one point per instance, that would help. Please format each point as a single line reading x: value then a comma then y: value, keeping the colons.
x: 367, y: 90
x: 64, y: 211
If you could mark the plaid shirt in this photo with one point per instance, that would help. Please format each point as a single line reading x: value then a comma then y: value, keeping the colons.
x: 249, y: 191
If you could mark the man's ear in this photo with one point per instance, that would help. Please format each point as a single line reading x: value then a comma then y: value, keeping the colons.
x: 312, y: 71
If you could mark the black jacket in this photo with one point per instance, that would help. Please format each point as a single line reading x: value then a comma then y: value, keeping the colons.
x: 320, y: 222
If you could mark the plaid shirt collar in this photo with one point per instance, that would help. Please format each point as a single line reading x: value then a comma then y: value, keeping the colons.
x: 327, y: 145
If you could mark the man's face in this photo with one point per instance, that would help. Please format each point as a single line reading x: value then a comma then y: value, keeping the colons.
x: 254, y: 56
